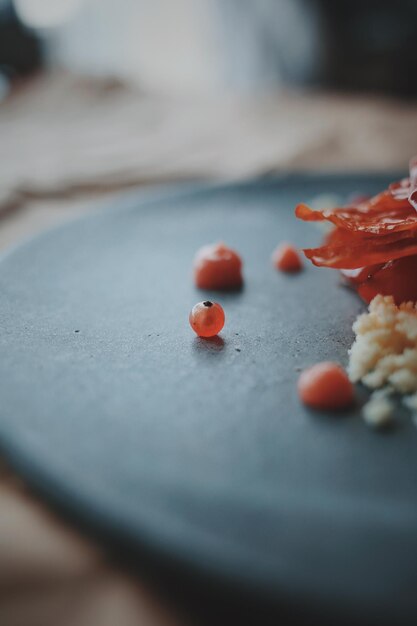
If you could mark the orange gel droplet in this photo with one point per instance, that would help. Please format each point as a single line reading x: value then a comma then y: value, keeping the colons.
x: 217, y: 266
x: 325, y: 386
x: 286, y: 258
x: 207, y: 318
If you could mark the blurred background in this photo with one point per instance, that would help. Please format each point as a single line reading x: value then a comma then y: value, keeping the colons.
x: 97, y: 96
x: 217, y: 45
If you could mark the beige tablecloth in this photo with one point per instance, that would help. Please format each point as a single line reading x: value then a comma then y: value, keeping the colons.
x: 65, y: 142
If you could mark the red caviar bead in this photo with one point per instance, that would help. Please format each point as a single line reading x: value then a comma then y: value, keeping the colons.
x: 286, y: 258
x: 207, y: 318
x: 325, y: 386
x: 216, y: 266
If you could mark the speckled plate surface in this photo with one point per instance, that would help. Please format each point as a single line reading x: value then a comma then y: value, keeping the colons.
x: 200, y: 451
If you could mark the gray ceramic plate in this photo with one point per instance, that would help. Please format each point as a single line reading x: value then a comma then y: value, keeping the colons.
x: 200, y: 451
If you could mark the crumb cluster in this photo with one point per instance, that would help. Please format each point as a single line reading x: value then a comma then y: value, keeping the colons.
x: 385, y: 349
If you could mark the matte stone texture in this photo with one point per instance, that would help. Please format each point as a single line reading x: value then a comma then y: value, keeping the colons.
x: 200, y: 451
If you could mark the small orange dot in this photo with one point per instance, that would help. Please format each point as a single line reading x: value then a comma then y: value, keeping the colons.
x: 207, y: 318
x: 325, y: 386
x: 217, y: 266
x: 286, y: 258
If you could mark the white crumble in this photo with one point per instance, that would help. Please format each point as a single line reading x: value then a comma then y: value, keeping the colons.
x: 378, y: 411
x: 385, y: 348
